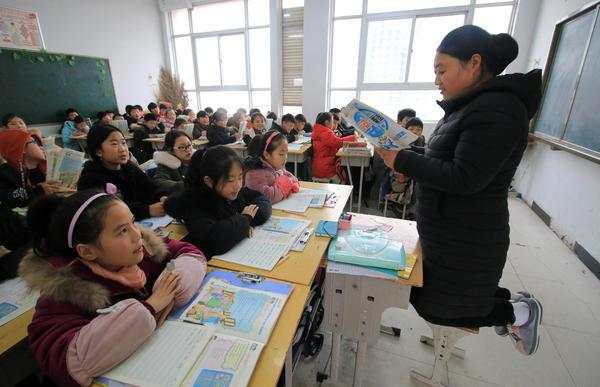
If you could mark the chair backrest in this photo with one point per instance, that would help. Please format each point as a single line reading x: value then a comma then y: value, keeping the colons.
x: 188, y: 129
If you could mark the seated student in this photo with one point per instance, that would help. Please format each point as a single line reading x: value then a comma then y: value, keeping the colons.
x: 135, y: 118
x: 70, y: 114
x: 256, y: 125
x: 238, y: 117
x: 73, y: 128
x: 301, y: 125
x: 154, y: 109
x: 162, y: 109
x: 265, y: 167
x: 253, y: 110
x: 104, y: 118
x: 179, y: 122
x: 172, y: 162
x: 214, y: 206
x: 288, y: 128
x: 201, y: 124
x: 169, y: 119
x: 274, y: 125
x: 339, y: 124
x: 127, y: 111
x: 12, y: 121
x: 143, y: 150
x: 104, y: 285
x: 190, y: 115
x: 404, y: 115
x: 218, y: 133
x: 111, y: 163
x: 209, y: 111
x: 325, y: 163
x: 23, y: 168
x: 415, y: 125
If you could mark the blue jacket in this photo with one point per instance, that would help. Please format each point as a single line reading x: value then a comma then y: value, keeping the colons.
x: 67, y: 132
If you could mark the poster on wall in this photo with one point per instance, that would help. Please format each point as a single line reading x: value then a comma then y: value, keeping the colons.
x: 20, y: 29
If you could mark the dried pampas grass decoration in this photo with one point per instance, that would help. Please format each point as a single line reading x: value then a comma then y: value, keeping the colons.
x: 171, y: 89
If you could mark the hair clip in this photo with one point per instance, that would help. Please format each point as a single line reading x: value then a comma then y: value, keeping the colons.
x: 110, y: 189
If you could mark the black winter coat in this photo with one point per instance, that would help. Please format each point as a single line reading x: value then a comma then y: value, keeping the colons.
x: 135, y: 187
x: 463, y: 180
x: 215, y: 225
x: 217, y: 135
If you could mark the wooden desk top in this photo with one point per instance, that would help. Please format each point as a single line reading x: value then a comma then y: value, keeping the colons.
x: 271, y: 360
x: 301, y: 267
x: 14, y: 331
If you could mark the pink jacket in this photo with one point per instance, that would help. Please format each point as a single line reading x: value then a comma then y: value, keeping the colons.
x: 275, y: 184
x: 85, y: 324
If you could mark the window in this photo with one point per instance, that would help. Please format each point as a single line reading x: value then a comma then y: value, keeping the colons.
x: 384, y: 54
x: 221, y: 52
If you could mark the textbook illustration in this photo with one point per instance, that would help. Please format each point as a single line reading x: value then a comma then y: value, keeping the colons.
x: 64, y: 166
x: 377, y: 128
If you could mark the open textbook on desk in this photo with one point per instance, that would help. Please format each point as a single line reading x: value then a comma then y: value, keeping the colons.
x: 214, y: 340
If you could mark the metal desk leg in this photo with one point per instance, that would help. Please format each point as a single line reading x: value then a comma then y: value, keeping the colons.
x: 289, y: 364
x: 296, y: 167
x: 362, y: 169
x: 361, y: 356
x: 335, y: 356
x: 351, y: 183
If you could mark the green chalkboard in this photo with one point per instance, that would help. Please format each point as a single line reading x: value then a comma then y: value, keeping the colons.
x: 39, y: 86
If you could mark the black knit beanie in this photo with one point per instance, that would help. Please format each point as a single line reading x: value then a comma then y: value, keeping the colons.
x: 497, y: 51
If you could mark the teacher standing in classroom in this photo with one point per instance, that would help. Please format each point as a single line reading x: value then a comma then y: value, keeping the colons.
x: 463, y: 180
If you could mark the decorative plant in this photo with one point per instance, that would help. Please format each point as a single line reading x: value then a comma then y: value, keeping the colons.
x: 171, y: 89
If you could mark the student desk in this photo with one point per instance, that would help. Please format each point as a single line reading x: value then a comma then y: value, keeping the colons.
x: 159, y: 142
x: 239, y: 148
x: 300, y: 267
x: 354, y: 304
x: 352, y: 158
x: 298, y: 156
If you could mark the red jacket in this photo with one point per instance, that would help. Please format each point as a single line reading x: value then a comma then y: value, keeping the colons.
x: 325, y: 145
x: 71, y: 342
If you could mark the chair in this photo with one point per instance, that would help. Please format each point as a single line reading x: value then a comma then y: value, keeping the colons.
x: 443, y: 343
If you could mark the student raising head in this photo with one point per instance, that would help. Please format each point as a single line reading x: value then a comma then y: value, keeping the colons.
x: 23, y: 167
x: 172, y: 162
x: 257, y: 123
x: 104, y: 118
x: 216, y: 208
x: 169, y: 119
x: 201, y: 124
x: 404, y: 115
x: 325, y: 146
x: 73, y: 128
x: 415, y: 125
x: 217, y: 132
x: 266, y: 167
x: 102, y: 281
x: 110, y: 164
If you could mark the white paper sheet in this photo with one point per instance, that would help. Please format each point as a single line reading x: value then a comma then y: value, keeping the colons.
x: 15, y: 299
x: 262, y: 251
x: 343, y: 268
x: 227, y: 362
x: 157, y: 222
x: 294, y: 203
x: 166, y: 358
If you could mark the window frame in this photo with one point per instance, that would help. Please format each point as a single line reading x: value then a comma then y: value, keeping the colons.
x: 366, y: 18
x: 245, y: 31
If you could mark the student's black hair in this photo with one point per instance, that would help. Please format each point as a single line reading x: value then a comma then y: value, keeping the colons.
x: 179, y: 121
x: 406, y: 113
x: 128, y: 109
x: 150, y: 117
x: 7, y: 118
x: 101, y: 115
x: 209, y: 110
x: 215, y: 162
x: 323, y: 117
x: 241, y: 110
x: 288, y: 118
x: 415, y: 121
x: 171, y: 137
x: 186, y: 111
x: 78, y: 120
x: 152, y: 105
x: 253, y: 110
x: 272, y: 116
x: 69, y: 111
x: 335, y: 111
x: 300, y: 117
x: 496, y: 51
x: 258, y: 144
x: 162, y: 106
x: 178, y: 112
x: 201, y: 114
x: 49, y: 217
x: 335, y: 116
x: 218, y: 116
x: 139, y: 107
x: 96, y: 137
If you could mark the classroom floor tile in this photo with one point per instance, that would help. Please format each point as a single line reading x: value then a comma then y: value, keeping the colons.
x: 537, y: 261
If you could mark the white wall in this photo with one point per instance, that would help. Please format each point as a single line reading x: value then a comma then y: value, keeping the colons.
x: 128, y: 33
x: 566, y: 186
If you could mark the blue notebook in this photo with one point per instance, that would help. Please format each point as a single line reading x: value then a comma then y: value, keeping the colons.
x: 365, y: 248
